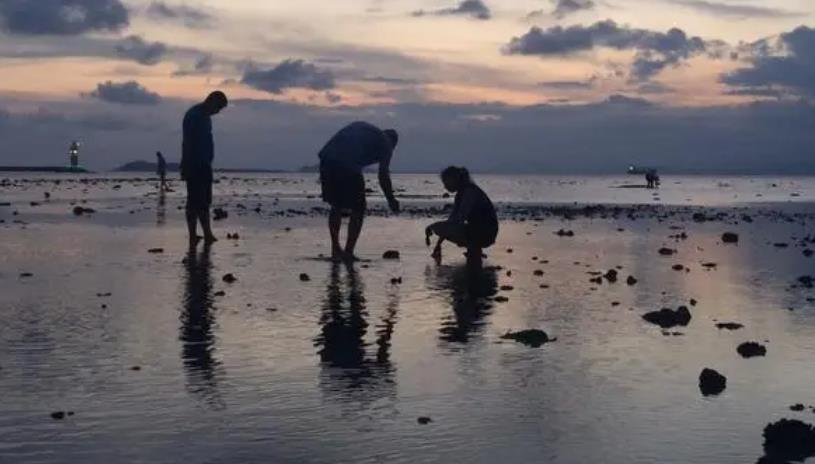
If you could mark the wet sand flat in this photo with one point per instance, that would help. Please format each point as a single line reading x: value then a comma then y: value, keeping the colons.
x: 161, y: 360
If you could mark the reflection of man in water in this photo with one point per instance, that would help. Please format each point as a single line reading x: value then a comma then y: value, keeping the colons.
x: 195, y: 333
x: 198, y: 152
x: 342, y: 160
x: 341, y: 343
x: 161, y: 170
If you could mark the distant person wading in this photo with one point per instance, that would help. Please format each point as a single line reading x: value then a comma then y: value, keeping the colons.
x: 342, y: 161
x: 198, y: 152
x: 473, y: 223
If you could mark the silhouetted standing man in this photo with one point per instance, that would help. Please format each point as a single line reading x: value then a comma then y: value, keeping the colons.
x: 161, y: 170
x: 342, y: 160
x: 198, y: 152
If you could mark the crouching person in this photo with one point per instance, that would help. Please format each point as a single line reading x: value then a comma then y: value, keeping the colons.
x: 472, y: 224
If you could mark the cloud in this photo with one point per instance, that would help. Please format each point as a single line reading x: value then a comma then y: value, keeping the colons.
x: 565, y: 8
x: 137, y: 49
x: 736, y: 10
x: 202, y: 65
x: 186, y: 15
x: 474, y: 8
x: 289, y: 74
x: 62, y: 17
x: 655, y: 50
x: 654, y: 88
x: 124, y: 93
x: 570, y: 85
x: 789, y: 64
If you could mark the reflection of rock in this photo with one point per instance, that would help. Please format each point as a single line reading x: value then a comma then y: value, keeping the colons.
x: 751, y: 350
x: 531, y: 337
x: 788, y: 440
x: 712, y: 383
x: 667, y: 318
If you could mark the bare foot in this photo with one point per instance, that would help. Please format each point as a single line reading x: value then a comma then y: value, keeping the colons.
x: 210, y: 239
x: 350, y: 258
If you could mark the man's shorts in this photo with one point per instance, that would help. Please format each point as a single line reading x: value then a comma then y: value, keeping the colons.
x: 199, y: 193
x: 342, y: 188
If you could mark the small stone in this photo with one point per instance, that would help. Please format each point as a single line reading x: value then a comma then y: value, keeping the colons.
x: 424, y: 420
x: 538, y: 272
x: 631, y: 280
x: 396, y: 281
x: 230, y: 278
x: 391, y: 254
x: 668, y: 318
x: 788, y: 440
x: 219, y: 214
x: 219, y: 293
x: 611, y: 275
x: 507, y: 288
x: 729, y: 326
x: 712, y: 383
x: 666, y: 251
x: 156, y: 250
x: 730, y: 237
x: 304, y: 277
x: 26, y: 275
x: 678, y: 267
x: 693, y: 302
x: 751, y: 350
x: 58, y: 415
x: 500, y: 299
x: 797, y: 407
x: 531, y: 337
x: 135, y: 368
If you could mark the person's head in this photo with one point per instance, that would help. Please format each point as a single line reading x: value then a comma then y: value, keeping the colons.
x: 159, y: 155
x: 215, y: 102
x: 454, y: 178
x: 392, y: 136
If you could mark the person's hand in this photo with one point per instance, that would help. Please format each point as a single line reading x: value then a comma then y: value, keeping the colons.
x: 393, y: 203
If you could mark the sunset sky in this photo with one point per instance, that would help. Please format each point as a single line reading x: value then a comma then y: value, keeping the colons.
x: 460, y: 74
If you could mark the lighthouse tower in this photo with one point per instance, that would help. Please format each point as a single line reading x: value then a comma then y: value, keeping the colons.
x: 73, y: 154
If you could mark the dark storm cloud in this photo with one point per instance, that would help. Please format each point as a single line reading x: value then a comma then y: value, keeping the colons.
x: 788, y: 64
x: 771, y: 137
x: 736, y: 10
x: 474, y: 8
x: 187, y: 15
x: 141, y: 51
x: 565, y: 8
x: 124, y: 93
x: 655, y: 50
x: 62, y: 17
x: 289, y: 74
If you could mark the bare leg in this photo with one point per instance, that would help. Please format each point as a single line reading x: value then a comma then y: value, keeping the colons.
x: 354, y: 230
x: 203, y: 216
x: 334, y: 224
x: 192, y: 226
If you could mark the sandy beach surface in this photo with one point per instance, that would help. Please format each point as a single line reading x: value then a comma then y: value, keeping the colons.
x: 153, y: 357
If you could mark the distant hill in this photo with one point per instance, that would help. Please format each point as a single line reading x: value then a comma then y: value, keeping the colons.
x: 147, y: 166
x: 144, y: 166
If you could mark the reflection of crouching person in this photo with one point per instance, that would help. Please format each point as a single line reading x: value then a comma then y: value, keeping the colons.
x: 472, y: 224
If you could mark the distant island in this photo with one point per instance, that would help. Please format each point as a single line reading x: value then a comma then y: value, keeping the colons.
x: 51, y: 169
x: 147, y: 166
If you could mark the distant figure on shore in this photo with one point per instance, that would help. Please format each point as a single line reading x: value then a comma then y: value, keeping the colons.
x: 652, y: 178
x: 161, y: 170
x: 473, y: 223
x: 197, y: 154
x: 342, y: 160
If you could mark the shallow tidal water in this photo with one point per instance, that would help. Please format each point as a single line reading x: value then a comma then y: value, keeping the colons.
x: 340, y: 367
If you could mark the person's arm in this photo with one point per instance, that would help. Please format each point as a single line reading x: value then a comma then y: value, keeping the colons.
x: 386, y: 184
x: 462, y: 210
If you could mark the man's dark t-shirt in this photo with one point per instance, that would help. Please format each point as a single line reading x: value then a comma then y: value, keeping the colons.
x: 197, y: 150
